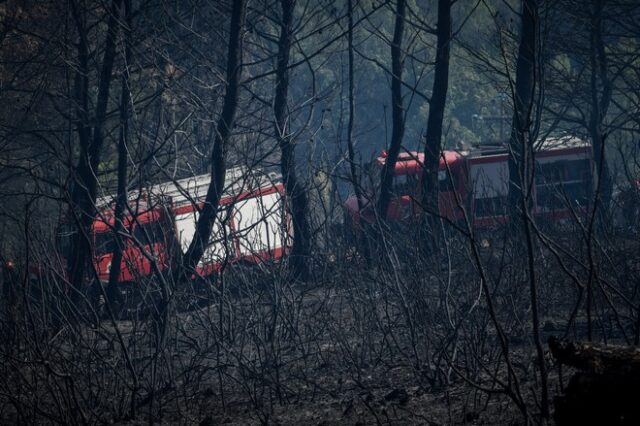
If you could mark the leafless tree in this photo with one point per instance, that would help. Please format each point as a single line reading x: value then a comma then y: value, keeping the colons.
x: 223, y: 132
x: 397, y: 110
x: 437, y: 104
x: 301, y: 232
x: 90, y: 131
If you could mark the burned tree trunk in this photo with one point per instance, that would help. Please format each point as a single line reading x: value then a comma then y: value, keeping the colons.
x: 397, y: 112
x: 600, y: 86
x: 521, y: 170
x: 295, y: 190
x: 355, y: 181
x: 83, y: 195
x: 437, y: 103
x: 225, y: 124
x: 605, y: 391
x: 520, y: 144
x: 123, y: 157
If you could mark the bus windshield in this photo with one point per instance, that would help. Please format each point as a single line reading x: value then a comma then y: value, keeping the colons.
x: 104, y: 243
x: 148, y: 233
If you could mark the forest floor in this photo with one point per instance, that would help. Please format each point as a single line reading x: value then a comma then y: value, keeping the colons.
x: 398, y: 343
x: 327, y: 388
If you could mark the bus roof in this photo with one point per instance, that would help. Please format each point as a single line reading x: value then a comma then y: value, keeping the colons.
x: 410, y: 162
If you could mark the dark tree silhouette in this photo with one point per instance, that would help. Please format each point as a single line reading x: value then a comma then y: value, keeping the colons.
x: 601, y: 89
x: 521, y: 168
x: 295, y: 190
x: 91, y: 137
x: 397, y: 111
x: 224, y: 127
x: 123, y: 158
x: 520, y: 144
x: 437, y: 104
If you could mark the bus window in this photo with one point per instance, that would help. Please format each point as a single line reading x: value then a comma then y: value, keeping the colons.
x: 104, y: 243
x: 405, y: 185
x: 563, y: 181
x: 149, y: 233
x: 490, y: 206
x: 444, y: 183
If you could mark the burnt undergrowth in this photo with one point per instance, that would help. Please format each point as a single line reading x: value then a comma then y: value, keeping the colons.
x: 405, y: 336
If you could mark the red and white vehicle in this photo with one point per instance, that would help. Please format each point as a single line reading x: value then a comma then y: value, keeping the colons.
x: 564, y: 179
x: 252, y: 226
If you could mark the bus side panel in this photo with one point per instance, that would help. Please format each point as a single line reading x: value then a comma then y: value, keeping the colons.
x: 563, y: 182
x: 186, y: 228
x: 260, y: 226
x: 449, y: 187
x: 219, y: 247
x: 489, y: 189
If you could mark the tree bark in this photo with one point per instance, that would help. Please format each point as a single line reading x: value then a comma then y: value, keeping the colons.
x: 520, y: 145
x: 605, y: 390
x: 224, y: 127
x: 521, y: 170
x: 397, y: 112
x: 355, y: 179
x: 437, y: 104
x: 83, y: 195
x: 295, y: 190
x: 600, y: 100
x: 123, y: 157
x: 594, y: 358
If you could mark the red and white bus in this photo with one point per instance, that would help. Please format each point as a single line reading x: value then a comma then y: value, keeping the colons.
x: 252, y: 225
x: 564, y: 180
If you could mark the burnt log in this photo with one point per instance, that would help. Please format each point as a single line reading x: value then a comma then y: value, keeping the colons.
x: 605, y: 390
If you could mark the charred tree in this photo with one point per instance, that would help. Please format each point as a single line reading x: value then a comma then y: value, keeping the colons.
x: 83, y: 195
x: 123, y: 157
x: 521, y: 169
x: 397, y: 112
x: 355, y: 179
x: 225, y: 124
x: 437, y: 103
x: 295, y: 190
x: 601, y: 88
x: 604, y: 390
x: 520, y: 143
